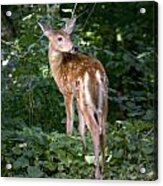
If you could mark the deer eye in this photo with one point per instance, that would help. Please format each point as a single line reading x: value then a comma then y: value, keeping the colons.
x: 60, y: 38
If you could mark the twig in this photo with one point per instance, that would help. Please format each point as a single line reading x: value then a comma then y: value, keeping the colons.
x: 73, y: 12
x: 148, y: 133
x: 89, y: 15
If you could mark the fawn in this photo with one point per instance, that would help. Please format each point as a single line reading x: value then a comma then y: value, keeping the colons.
x: 83, y: 77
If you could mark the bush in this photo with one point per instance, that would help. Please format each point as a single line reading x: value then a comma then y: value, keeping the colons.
x: 34, y: 153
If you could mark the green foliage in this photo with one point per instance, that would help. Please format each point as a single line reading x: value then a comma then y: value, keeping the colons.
x: 34, y: 153
x: 33, y: 113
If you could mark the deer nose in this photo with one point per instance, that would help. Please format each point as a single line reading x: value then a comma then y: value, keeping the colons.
x: 74, y: 49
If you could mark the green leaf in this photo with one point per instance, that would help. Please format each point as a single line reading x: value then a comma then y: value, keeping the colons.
x: 17, y: 150
x: 34, y: 172
x: 119, y: 153
x: 62, y: 155
x: 89, y: 159
x: 50, y: 166
x: 149, y: 115
x: 21, y: 162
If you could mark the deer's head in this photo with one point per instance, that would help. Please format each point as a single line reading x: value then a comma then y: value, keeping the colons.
x: 60, y: 40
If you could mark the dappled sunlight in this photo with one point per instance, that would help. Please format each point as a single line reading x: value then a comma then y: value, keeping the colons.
x: 44, y: 71
x: 5, y: 62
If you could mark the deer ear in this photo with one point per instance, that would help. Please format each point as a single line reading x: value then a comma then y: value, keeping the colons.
x: 69, y: 26
x: 47, y: 30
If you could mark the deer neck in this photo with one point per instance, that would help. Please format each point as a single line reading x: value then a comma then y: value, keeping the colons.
x: 55, y: 58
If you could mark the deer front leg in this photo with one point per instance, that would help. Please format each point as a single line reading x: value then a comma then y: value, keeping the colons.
x: 68, y: 99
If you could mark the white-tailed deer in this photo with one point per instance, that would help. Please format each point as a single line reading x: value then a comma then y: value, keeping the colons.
x: 83, y: 77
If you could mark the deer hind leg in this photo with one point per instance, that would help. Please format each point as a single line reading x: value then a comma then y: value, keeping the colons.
x: 104, y: 124
x: 103, y: 140
x: 87, y: 110
x: 95, y: 139
x: 95, y: 134
x: 102, y: 134
x: 68, y: 99
x: 92, y: 125
x: 82, y: 129
x: 103, y: 145
x: 102, y: 112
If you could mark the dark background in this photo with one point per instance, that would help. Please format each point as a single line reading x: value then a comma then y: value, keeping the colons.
x: 33, y: 113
